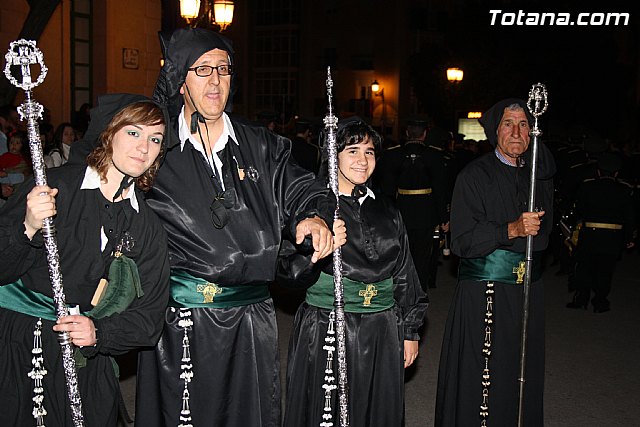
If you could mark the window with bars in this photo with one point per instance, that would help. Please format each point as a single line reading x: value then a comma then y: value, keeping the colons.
x: 276, y: 55
x: 81, y: 54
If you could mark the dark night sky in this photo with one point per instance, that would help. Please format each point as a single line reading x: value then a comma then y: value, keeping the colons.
x: 591, y: 72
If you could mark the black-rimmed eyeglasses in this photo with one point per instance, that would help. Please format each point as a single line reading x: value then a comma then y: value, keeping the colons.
x: 207, y: 70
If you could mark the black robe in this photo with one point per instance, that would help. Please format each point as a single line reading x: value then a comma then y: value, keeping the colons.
x: 377, y: 248
x: 234, y: 350
x: 415, y: 166
x: 603, y: 200
x: 487, y: 196
x: 81, y: 214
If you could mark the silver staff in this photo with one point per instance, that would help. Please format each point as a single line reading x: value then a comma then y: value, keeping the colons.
x: 537, y: 105
x: 24, y: 53
x: 331, y: 125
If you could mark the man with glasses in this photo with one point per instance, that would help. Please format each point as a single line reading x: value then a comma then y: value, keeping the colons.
x: 227, y: 194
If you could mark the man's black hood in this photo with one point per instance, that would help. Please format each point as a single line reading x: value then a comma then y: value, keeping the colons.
x: 490, y: 121
x: 181, y: 49
x: 491, y: 118
x: 101, y: 115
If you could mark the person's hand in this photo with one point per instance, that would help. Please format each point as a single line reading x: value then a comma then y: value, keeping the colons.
x: 445, y: 227
x: 527, y: 225
x: 41, y: 204
x: 320, y: 236
x: 82, y: 330
x: 410, y: 352
x: 339, y: 234
x: 3, y: 173
x: 630, y: 245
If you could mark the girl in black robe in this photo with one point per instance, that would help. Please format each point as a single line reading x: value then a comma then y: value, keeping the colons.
x: 101, y: 221
x: 381, y: 323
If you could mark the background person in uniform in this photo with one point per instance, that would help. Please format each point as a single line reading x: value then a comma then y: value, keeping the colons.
x: 304, y: 152
x: 415, y: 176
x: 605, y: 207
x: 438, y: 140
x: 489, y: 226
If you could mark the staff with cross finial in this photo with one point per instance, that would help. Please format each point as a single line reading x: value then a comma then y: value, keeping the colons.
x: 24, y: 53
x: 537, y: 105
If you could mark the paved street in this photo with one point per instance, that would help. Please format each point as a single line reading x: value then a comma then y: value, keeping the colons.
x: 593, y: 369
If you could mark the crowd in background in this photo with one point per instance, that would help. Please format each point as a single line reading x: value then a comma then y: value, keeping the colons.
x: 576, y: 157
x: 56, y: 140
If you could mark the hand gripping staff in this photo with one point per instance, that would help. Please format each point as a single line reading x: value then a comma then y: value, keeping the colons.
x: 537, y: 105
x: 331, y: 125
x: 23, y: 54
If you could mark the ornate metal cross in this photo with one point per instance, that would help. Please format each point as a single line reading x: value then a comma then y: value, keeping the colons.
x: 209, y: 291
x: 368, y: 293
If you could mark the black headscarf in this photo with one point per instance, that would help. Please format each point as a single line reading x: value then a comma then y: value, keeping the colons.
x: 101, y: 115
x: 491, y: 119
x: 181, y: 49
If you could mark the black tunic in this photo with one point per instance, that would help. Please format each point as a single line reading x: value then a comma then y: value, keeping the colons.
x: 81, y: 214
x: 234, y: 350
x: 376, y: 249
x: 305, y: 154
x: 487, y: 196
x: 603, y: 200
x: 414, y: 166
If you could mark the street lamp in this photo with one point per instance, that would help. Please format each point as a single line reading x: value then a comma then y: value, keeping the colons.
x: 455, y: 75
x: 378, y: 91
x: 214, y: 12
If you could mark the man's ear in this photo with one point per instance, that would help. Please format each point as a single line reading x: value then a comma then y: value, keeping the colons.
x: 182, y: 89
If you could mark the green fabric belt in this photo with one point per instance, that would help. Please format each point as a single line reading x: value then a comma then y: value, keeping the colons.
x: 499, y: 266
x: 358, y: 297
x: 17, y: 297
x: 188, y: 291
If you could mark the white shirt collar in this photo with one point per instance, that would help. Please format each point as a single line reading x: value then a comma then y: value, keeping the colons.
x: 66, y: 149
x: 92, y: 181
x: 185, y: 134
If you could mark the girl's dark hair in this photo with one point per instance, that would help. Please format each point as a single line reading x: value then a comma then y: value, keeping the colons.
x: 351, y: 131
x: 57, y: 138
x: 139, y: 113
x: 354, y: 132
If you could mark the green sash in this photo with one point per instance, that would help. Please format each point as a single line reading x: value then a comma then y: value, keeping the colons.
x: 17, y: 297
x: 188, y: 291
x: 499, y: 266
x: 359, y: 297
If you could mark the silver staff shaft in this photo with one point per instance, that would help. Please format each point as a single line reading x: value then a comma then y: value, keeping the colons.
x: 537, y: 105
x: 24, y: 53
x: 331, y: 125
